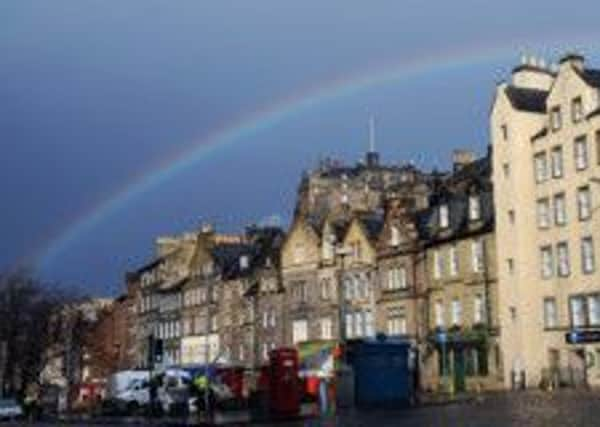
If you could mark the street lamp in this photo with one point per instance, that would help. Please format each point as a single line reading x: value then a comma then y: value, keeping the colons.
x: 342, y: 252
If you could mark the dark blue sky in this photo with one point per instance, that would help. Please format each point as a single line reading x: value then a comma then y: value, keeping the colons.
x: 94, y: 93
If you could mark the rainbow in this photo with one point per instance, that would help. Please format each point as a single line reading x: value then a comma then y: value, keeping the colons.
x: 261, y: 119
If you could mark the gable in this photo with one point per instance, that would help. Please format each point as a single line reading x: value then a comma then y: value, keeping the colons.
x: 302, y: 246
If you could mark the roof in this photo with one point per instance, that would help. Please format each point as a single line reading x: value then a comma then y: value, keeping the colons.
x: 173, y: 285
x: 227, y: 258
x: 455, y: 192
x: 372, y: 224
x: 149, y: 266
x: 591, y: 77
x: 526, y: 99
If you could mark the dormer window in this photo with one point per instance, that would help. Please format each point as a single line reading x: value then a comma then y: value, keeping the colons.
x: 328, y: 247
x: 444, y: 216
x: 577, y: 109
x: 555, y: 118
x: 395, y: 236
x: 244, y: 262
x: 474, y: 207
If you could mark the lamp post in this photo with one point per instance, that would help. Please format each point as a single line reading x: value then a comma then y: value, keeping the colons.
x: 342, y: 252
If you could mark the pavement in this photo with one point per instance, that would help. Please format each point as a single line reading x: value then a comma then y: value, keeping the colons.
x: 572, y: 408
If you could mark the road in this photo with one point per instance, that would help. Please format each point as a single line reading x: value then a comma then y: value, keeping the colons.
x: 529, y: 409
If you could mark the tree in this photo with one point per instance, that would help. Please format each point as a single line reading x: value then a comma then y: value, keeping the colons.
x: 27, y: 309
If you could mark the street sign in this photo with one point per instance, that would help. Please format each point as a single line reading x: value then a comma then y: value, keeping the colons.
x: 582, y: 337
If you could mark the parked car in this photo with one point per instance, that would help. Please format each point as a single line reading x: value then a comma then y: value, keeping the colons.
x: 10, y: 409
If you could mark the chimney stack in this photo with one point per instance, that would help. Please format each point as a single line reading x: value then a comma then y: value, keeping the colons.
x: 462, y: 158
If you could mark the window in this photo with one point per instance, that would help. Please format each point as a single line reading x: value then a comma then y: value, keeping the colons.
x: 562, y: 253
x: 587, y: 255
x: 474, y: 208
x: 593, y: 306
x: 439, y: 314
x: 326, y: 328
x: 395, y: 236
x: 577, y: 305
x: 584, y: 203
x: 349, y: 288
x: 456, y: 311
x: 299, y: 331
x: 444, y: 216
x: 557, y: 162
x: 478, y: 309
x: 581, y: 153
x: 397, y: 278
x: 543, y: 213
x: 349, y: 325
x: 242, y: 352
x: 273, y: 318
x: 555, y: 118
x: 540, y: 167
x: 504, y: 132
x: 396, y: 321
x: 328, y: 247
x: 453, y: 260
x: 506, y: 170
x: 359, y: 329
x: 577, y: 109
x: 265, y: 319
x: 547, y: 261
x: 560, y: 209
x: 477, y: 255
x: 438, y: 264
x: 369, y: 327
x: 550, y: 314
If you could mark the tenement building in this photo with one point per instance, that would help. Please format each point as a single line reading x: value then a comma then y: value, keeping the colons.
x: 545, y: 134
x: 459, y: 258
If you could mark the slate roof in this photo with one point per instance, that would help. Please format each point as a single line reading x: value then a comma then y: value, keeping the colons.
x: 372, y: 224
x: 227, y: 259
x: 149, y: 266
x: 455, y: 192
x: 591, y: 77
x: 525, y: 99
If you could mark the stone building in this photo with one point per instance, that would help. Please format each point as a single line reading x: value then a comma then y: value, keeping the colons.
x: 401, y: 292
x: 266, y: 293
x: 545, y: 133
x: 300, y: 260
x: 460, y: 267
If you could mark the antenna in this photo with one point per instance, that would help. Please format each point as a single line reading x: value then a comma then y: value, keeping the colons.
x: 371, y: 134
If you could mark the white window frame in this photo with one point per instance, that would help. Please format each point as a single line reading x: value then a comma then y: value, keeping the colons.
x: 439, y: 313
x: 444, y: 213
x: 588, y: 262
x: 584, y: 203
x: 543, y: 213
x: 556, y: 160
x: 593, y: 309
x: 453, y: 260
x: 577, y: 311
x: 560, y: 209
x: 326, y: 328
x: 550, y: 313
x: 563, y: 262
x: 299, y: 331
x: 438, y: 264
x: 474, y: 207
x: 540, y: 166
x: 477, y: 260
x: 478, y: 309
x: 456, y: 312
x: 547, y: 262
x: 581, y: 153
